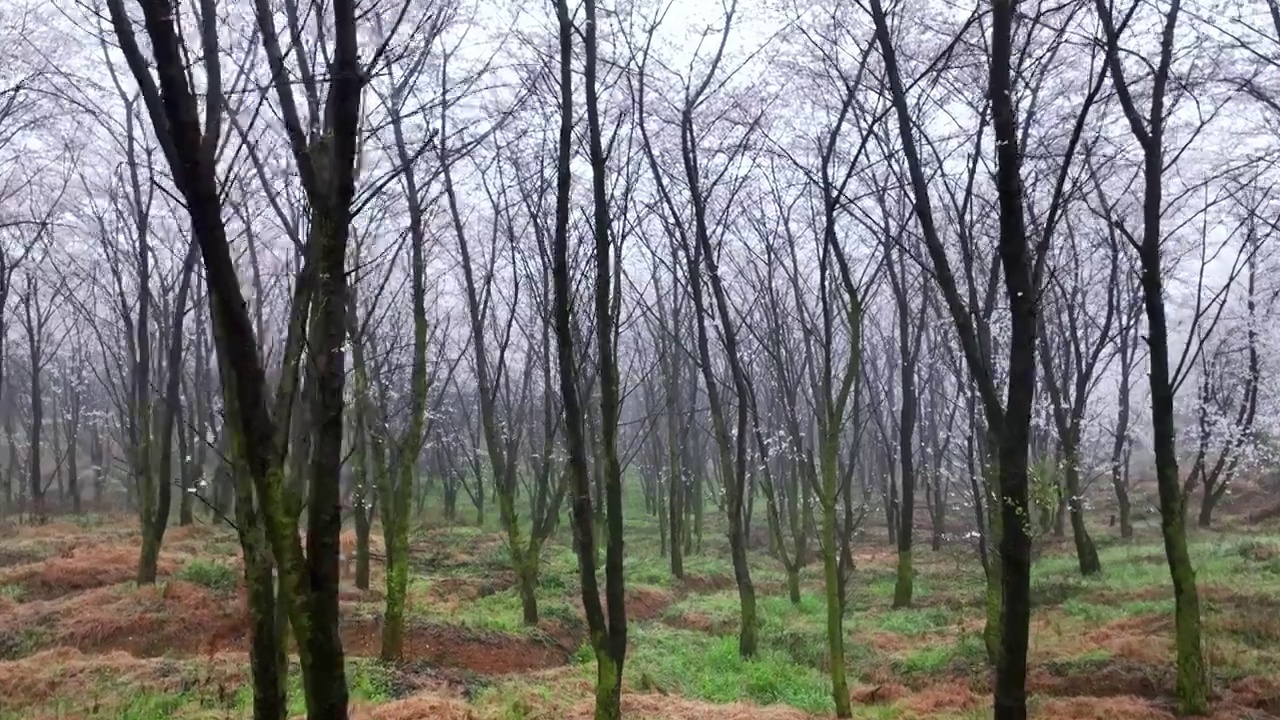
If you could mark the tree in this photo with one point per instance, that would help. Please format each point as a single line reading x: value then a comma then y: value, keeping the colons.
x: 326, y: 167
x: 1022, y: 261
x: 1192, y: 682
x: 1070, y: 351
x: 608, y: 637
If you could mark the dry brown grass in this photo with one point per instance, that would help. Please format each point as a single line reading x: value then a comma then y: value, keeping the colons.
x: 1139, y: 638
x: 947, y: 697
x: 700, y: 622
x: 459, y: 648
x: 173, y: 616
x: 423, y: 706
x: 879, y: 694
x: 669, y: 707
x: 68, y: 674
x: 1092, y: 708
x: 79, y: 568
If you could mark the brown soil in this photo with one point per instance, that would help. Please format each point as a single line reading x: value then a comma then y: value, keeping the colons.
x: 700, y: 622
x: 1117, y: 679
x: 459, y: 648
x: 647, y: 603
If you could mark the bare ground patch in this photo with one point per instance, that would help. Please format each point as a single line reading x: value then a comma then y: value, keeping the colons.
x: 78, y: 568
x: 1115, y: 679
x: 460, y: 648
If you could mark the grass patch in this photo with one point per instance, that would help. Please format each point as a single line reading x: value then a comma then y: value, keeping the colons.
x: 19, y: 642
x: 499, y: 612
x: 215, y: 576
x: 909, y: 621
x: 367, y: 680
x: 698, y: 666
x: 960, y: 657
x: 12, y: 591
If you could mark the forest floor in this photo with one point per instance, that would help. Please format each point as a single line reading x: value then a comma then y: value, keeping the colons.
x: 79, y: 639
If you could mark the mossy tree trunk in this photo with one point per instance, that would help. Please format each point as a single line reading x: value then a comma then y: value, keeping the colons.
x: 693, y: 238
x: 1128, y: 301
x: 908, y: 353
x: 156, y: 510
x: 326, y: 168
x: 608, y: 636
x: 503, y: 432
x: 1192, y: 678
x: 268, y: 661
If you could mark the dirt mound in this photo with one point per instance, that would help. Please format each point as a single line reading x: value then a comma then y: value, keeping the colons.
x: 700, y: 622
x: 175, y: 617
x: 944, y: 698
x: 67, y: 672
x: 665, y: 707
x: 79, y: 568
x: 459, y: 648
x: 1092, y: 708
x: 878, y: 694
x: 1115, y: 679
x: 425, y: 706
x: 11, y: 556
x: 441, y: 551
x: 647, y: 603
x: 454, y: 589
x: 1256, y: 693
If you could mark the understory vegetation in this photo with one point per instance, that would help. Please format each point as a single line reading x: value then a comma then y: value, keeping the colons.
x: 82, y: 640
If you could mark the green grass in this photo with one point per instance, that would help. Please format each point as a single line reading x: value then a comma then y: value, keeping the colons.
x: 925, y: 645
x: 695, y: 665
x: 963, y: 655
x: 210, y: 574
x: 499, y: 612
x: 915, y: 621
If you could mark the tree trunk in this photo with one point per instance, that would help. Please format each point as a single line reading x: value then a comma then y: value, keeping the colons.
x: 189, y: 489
x: 1192, y: 683
x: 364, y: 527
x: 527, y: 581
x: 1086, y: 551
x: 834, y: 584
x: 155, y: 513
x: 73, y: 470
